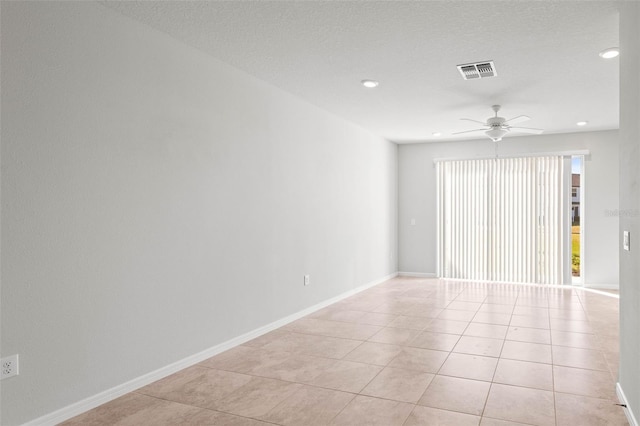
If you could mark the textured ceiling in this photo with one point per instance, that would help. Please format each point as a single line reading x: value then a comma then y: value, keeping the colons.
x: 545, y: 53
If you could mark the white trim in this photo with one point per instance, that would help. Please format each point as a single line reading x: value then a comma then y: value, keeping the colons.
x: 418, y: 274
x: 533, y: 154
x: 602, y: 293
x: 627, y: 410
x: 602, y: 286
x: 87, y: 404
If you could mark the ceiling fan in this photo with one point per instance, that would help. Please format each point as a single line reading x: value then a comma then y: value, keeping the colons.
x: 496, y: 127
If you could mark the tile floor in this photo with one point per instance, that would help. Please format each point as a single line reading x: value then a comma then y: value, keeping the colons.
x: 406, y: 352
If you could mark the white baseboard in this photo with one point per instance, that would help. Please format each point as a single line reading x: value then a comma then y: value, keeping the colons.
x: 91, y: 402
x: 602, y: 286
x: 627, y: 410
x: 418, y: 274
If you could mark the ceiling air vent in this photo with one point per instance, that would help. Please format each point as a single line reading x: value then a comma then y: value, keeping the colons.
x: 478, y: 70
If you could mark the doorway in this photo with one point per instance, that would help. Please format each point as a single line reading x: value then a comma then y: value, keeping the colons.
x: 577, y: 219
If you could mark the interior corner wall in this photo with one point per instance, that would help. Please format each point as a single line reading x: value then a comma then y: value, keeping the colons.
x: 629, y: 373
x: 417, y: 196
x: 157, y: 202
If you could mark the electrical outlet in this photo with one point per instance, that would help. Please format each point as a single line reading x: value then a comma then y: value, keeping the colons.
x: 9, y: 366
x: 307, y: 280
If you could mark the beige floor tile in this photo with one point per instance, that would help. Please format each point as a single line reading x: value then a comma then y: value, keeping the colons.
x: 525, y: 351
x: 436, y: 341
x: 244, y: 359
x: 531, y: 335
x: 479, y: 346
x: 539, y: 302
x: 296, y: 368
x: 469, y: 367
x: 572, y: 410
x: 344, y: 330
x: 565, y: 305
x: 394, y: 306
x: 257, y: 397
x: 414, y: 323
x: 525, y: 374
x: 456, y: 394
x: 492, y: 318
x: 355, y: 305
x: 568, y: 314
x: 269, y: 337
x: 496, y: 308
x: 456, y: 315
x: 398, y: 384
x: 346, y: 376
x: 464, y: 306
x: 309, y: 406
x: 487, y: 421
x: 531, y: 311
x: 307, y: 344
x: 374, y: 353
x: 579, y: 358
x: 197, y: 386
x: 572, y: 326
x: 421, y: 416
x: 332, y: 313
x: 447, y: 326
x: 529, y: 321
x: 613, y: 361
x: 396, y: 336
x: 574, y: 340
x: 134, y: 409
x: 425, y: 311
x: 492, y: 331
x: 472, y: 296
x: 608, y: 343
x: 209, y: 417
x: 598, y: 384
x: 418, y: 359
x: 508, y: 304
x: 518, y: 404
x: 368, y: 411
x: 374, y: 318
x: 330, y: 355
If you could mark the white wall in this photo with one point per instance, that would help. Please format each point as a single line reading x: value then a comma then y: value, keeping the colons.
x: 156, y: 202
x: 629, y: 374
x: 417, y: 196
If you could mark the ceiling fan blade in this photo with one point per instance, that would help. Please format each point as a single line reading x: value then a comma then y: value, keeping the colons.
x: 475, y: 121
x: 526, y: 130
x: 518, y: 119
x: 470, y: 131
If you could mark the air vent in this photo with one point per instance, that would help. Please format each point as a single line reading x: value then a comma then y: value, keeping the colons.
x: 478, y: 70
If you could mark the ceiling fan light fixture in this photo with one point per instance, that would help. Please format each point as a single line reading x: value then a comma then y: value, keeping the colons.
x: 610, y: 53
x: 370, y: 84
x: 496, y: 133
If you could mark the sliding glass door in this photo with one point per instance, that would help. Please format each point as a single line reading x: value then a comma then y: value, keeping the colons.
x: 505, y: 219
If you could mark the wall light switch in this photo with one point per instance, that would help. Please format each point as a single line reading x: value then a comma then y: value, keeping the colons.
x: 413, y: 222
x: 307, y: 280
x: 626, y: 241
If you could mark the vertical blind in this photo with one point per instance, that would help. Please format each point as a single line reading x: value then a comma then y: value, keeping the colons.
x: 505, y: 219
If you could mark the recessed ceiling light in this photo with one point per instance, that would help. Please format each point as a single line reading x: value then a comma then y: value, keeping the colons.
x: 436, y: 134
x: 581, y: 123
x: 369, y: 83
x: 609, y: 53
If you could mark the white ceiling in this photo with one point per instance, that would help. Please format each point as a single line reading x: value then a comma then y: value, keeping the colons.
x: 545, y: 52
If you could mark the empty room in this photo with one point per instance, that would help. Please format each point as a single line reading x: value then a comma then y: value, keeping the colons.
x: 320, y: 213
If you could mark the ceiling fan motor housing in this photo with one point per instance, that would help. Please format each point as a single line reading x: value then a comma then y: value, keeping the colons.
x: 495, y: 121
